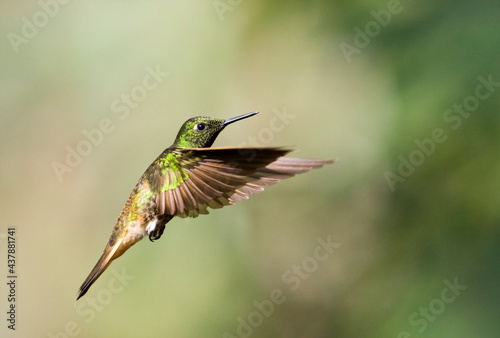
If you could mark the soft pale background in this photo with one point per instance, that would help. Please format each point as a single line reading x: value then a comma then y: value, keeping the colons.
x: 396, y: 248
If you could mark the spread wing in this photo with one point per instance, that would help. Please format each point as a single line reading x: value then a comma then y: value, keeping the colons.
x: 186, y: 181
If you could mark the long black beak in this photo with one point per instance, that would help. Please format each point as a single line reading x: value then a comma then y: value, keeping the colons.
x: 237, y: 118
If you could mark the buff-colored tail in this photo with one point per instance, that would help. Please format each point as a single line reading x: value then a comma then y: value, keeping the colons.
x: 109, y: 254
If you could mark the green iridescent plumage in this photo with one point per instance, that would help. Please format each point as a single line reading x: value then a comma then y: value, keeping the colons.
x: 189, y: 137
x: 188, y: 178
x: 168, y: 165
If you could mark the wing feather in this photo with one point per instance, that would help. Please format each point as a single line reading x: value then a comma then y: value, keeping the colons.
x: 187, y: 183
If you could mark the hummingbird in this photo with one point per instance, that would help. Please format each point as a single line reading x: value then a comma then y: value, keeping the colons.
x: 188, y: 177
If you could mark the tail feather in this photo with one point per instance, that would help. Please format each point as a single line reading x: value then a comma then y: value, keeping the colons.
x: 109, y: 254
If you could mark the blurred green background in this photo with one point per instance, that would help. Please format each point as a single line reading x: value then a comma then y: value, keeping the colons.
x: 341, y: 84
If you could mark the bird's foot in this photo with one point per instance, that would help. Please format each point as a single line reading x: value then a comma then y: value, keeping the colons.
x: 156, y: 233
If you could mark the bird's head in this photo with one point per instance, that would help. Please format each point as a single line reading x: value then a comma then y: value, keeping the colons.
x: 201, y: 131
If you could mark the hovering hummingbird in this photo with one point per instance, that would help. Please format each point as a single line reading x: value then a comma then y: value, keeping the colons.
x: 188, y: 177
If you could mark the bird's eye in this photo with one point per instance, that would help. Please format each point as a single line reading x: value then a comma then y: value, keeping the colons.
x: 200, y: 126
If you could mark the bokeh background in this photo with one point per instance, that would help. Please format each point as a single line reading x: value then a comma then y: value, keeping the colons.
x: 400, y: 243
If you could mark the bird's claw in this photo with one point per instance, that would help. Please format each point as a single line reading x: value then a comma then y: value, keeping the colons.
x: 156, y: 233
